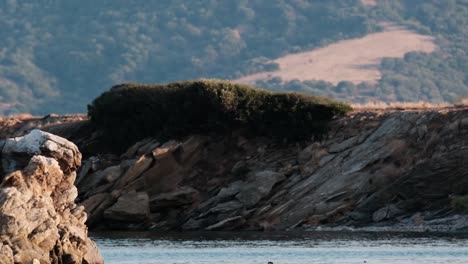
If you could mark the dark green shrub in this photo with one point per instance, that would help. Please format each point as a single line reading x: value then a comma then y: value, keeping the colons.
x: 130, y: 112
x: 460, y: 203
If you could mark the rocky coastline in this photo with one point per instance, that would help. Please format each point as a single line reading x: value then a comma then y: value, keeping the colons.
x: 374, y: 170
x: 40, y: 221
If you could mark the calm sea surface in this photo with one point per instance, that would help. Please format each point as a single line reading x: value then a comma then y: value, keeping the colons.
x: 294, y: 248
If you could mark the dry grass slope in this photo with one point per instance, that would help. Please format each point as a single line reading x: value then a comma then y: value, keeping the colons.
x: 354, y: 60
x: 420, y: 105
x: 369, y: 2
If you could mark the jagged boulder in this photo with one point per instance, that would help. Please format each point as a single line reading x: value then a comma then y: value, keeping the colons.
x: 40, y: 222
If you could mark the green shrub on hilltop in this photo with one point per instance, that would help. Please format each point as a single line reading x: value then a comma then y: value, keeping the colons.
x: 130, y: 112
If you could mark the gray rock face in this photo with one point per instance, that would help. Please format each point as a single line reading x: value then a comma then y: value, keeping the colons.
x: 415, y: 160
x: 250, y: 195
x: 464, y: 123
x: 180, y: 197
x: 40, y: 222
x: 227, y: 224
x: 339, y: 147
x: 226, y: 207
x: 231, y: 190
x: 258, y: 187
x: 387, y: 212
x: 130, y: 207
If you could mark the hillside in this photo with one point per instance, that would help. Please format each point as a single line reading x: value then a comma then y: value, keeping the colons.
x: 355, y: 60
x: 56, y: 56
x: 439, y: 76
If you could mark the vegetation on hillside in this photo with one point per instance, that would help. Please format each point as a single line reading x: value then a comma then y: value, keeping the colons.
x: 57, y: 55
x: 130, y: 112
x: 440, y: 76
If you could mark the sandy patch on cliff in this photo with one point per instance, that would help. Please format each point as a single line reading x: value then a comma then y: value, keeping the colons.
x: 354, y: 60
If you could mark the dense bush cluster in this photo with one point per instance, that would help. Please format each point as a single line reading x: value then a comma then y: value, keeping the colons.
x: 131, y: 112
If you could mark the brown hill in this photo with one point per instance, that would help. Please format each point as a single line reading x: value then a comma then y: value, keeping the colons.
x: 354, y: 60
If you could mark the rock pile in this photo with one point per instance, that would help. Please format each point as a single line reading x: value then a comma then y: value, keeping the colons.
x: 40, y: 222
x: 372, y: 168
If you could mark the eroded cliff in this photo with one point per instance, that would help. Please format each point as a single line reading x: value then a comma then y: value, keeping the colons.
x: 40, y: 222
x: 394, y: 168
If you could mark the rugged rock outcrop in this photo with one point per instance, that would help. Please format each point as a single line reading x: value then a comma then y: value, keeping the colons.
x: 40, y: 222
x: 399, y: 168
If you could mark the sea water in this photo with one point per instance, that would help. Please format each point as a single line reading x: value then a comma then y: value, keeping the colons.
x: 279, y: 248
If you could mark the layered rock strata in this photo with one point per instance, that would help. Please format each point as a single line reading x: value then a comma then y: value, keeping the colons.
x: 373, y: 169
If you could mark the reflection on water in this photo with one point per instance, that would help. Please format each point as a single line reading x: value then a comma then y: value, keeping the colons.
x: 291, y: 248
